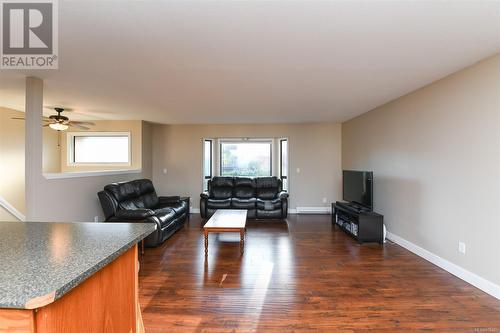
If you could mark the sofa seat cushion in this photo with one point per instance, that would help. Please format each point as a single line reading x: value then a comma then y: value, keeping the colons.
x: 269, y: 214
x: 165, y: 215
x: 268, y: 204
x: 238, y: 203
x: 219, y: 203
x: 180, y: 207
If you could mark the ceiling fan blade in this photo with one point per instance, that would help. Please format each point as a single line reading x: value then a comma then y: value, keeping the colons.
x: 18, y: 118
x: 72, y: 124
x: 83, y: 123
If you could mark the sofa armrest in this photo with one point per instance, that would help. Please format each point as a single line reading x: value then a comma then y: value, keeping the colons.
x: 169, y: 199
x: 136, y: 214
x: 155, y: 238
x: 204, y: 195
x: 283, y: 195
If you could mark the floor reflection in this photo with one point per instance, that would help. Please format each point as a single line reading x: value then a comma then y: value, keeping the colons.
x: 303, y: 276
x: 266, y: 261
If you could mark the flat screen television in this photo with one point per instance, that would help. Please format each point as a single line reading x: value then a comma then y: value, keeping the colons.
x: 358, y: 187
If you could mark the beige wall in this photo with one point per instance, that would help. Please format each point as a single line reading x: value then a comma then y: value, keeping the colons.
x: 314, y: 148
x: 78, y: 196
x: 71, y: 199
x: 132, y: 126
x: 12, y: 156
x: 51, y: 150
x: 436, y: 158
x: 6, y: 216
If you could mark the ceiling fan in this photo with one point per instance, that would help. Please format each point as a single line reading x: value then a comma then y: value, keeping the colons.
x: 59, y: 122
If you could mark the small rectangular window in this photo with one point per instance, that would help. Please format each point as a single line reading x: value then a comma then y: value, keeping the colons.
x: 99, y: 148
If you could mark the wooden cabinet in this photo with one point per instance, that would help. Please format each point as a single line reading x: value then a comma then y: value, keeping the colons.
x: 360, y: 223
x: 105, y: 302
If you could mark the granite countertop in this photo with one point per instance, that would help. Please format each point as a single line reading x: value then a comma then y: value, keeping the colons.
x: 42, y: 261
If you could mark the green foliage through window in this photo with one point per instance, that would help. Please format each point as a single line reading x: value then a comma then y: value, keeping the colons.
x: 246, y: 159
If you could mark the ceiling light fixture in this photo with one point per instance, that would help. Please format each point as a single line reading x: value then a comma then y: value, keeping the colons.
x: 58, y: 126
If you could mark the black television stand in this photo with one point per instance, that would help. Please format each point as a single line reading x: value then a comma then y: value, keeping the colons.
x: 360, y: 222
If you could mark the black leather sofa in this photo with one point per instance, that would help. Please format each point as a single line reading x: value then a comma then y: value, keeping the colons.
x: 262, y: 197
x: 136, y: 201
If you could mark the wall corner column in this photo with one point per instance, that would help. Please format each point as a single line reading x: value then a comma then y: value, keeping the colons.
x: 34, y: 143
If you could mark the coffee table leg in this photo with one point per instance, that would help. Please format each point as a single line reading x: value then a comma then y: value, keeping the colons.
x: 206, y: 242
x: 242, y: 240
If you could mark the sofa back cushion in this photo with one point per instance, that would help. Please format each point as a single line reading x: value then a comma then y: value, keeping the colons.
x: 267, y: 187
x: 244, y: 188
x: 221, y: 187
x: 135, y: 194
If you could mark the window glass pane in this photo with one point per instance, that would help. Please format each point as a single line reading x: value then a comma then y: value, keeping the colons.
x: 285, y: 184
x: 207, y: 158
x: 284, y: 163
x: 284, y: 158
x: 251, y: 159
x: 101, y: 149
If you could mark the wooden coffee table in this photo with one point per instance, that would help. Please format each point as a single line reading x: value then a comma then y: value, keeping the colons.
x: 227, y: 220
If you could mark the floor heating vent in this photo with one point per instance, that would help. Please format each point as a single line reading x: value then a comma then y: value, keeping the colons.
x: 314, y: 210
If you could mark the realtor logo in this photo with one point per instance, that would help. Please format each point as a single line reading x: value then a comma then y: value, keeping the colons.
x: 29, y: 34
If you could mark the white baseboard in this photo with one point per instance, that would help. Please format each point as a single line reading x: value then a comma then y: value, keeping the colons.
x: 469, y: 277
x: 313, y: 210
x: 12, y: 210
x: 310, y: 210
x: 299, y: 210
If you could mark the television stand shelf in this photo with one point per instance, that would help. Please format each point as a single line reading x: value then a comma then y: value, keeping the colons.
x: 359, y: 222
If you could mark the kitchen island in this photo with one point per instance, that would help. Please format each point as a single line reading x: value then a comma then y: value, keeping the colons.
x: 70, y: 277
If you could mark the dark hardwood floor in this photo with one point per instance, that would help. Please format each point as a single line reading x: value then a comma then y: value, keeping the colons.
x: 302, y: 276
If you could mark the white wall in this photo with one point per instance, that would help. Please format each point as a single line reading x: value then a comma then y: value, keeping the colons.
x: 436, y: 157
x: 315, y: 148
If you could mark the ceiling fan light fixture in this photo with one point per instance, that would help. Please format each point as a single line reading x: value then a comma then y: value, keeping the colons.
x: 58, y: 126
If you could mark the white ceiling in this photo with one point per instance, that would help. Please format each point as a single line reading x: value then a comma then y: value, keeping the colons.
x: 255, y: 61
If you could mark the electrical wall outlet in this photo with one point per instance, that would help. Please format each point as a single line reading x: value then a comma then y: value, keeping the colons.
x: 461, y: 247
x: 165, y: 171
x: 96, y: 218
x: 324, y: 200
x: 298, y: 170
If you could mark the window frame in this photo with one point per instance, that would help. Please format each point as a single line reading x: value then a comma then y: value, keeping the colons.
x: 70, y: 140
x: 246, y: 140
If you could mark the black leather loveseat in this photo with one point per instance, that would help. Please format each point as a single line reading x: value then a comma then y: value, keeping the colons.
x: 136, y: 201
x: 262, y: 197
